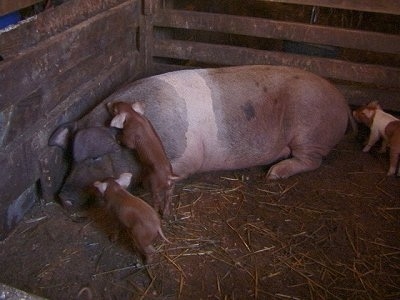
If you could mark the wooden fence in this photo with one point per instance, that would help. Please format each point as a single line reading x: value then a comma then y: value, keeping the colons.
x: 377, y: 78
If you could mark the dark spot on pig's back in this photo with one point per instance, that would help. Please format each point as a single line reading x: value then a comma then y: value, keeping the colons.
x: 249, y: 111
x: 166, y: 110
x: 237, y: 104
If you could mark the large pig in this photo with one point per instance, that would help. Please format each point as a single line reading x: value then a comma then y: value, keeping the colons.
x: 214, y: 119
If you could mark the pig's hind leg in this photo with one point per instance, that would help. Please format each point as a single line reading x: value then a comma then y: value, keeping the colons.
x: 302, y: 160
x: 394, y: 163
x: 143, y: 239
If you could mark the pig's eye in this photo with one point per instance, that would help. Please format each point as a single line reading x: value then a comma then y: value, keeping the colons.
x: 97, y: 158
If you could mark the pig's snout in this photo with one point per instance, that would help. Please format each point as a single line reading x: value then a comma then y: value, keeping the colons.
x: 71, y: 198
x: 66, y: 200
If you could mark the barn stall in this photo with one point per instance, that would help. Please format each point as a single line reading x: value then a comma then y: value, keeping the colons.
x: 331, y: 233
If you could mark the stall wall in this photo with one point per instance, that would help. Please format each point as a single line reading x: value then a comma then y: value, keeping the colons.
x: 56, y: 67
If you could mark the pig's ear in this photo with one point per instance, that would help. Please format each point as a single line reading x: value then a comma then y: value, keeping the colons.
x: 118, y: 121
x: 101, y: 186
x: 138, y: 107
x: 374, y: 105
x: 369, y: 113
x: 110, y: 107
x: 62, y: 135
x: 173, y: 177
x: 94, y: 142
x: 124, y: 179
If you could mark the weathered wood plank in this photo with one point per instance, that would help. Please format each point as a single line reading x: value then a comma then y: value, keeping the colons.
x: 229, y: 55
x: 60, y: 79
x: 356, y: 95
x: 264, y: 28
x: 7, y: 6
x: 27, y: 112
x: 59, y: 19
x: 381, y: 6
x: 64, y: 52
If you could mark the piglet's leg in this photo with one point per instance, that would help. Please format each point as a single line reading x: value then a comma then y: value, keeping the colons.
x: 142, y: 238
x: 394, y: 160
x: 149, y: 252
x: 156, y: 196
x: 383, y: 146
x: 167, y: 200
x: 373, y: 138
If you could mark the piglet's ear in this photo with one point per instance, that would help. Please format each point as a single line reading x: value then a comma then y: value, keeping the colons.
x: 118, y: 121
x: 101, y: 186
x: 374, y: 105
x: 138, y: 107
x: 124, y: 179
x: 369, y: 113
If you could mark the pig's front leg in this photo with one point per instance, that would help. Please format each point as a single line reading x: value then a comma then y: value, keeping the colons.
x: 373, y: 138
x: 292, y: 166
x: 303, y: 159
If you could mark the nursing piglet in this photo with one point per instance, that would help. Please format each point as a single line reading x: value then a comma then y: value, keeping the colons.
x: 382, y: 125
x: 135, y: 214
x: 139, y: 134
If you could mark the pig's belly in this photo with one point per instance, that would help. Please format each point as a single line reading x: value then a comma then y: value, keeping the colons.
x: 218, y: 159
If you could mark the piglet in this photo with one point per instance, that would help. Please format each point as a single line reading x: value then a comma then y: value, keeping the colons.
x: 135, y: 214
x: 139, y: 134
x: 382, y: 125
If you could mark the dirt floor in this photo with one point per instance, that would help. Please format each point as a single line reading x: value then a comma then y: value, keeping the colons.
x: 328, y: 234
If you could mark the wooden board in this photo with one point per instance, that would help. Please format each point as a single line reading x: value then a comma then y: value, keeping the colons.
x: 8, y: 6
x: 264, y: 28
x: 68, y: 51
x: 58, y: 80
x: 379, y: 6
x: 229, y: 55
x: 41, y: 27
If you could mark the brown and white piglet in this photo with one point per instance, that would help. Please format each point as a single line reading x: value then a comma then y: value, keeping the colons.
x: 382, y: 125
x: 139, y: 134
x: 135, y: 214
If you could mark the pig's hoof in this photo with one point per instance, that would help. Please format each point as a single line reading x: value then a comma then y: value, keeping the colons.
x: 148, y: 259
x: 390, y: 173
x: 66, y: 203
x: 166, y: 213
x: 113, y: 237
x: 280, y: 170
x: 272, y: 176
